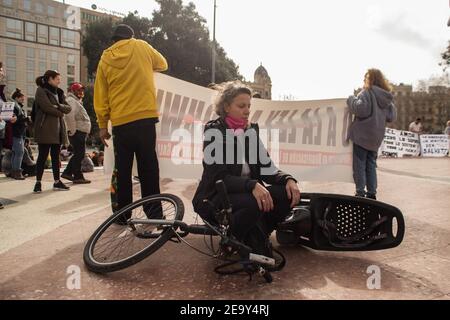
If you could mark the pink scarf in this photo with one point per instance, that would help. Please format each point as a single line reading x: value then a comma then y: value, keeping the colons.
x: 237, y: 124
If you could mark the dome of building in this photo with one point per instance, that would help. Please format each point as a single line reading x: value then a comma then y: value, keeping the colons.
x: 262, y: 72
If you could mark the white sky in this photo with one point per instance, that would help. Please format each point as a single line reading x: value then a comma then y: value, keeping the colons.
x: 320, y: 49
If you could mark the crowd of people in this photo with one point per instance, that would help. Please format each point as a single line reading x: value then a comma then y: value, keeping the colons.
x: 125, y: 96
x: 60, y: 125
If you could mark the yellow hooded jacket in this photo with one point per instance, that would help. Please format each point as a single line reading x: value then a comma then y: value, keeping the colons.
x: 124, y: 85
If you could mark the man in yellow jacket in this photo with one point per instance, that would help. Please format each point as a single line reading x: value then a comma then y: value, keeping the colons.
x: 125, y: 94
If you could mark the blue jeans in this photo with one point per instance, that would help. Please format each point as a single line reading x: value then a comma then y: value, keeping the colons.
x: 17, y: 153
x: 364, y: 171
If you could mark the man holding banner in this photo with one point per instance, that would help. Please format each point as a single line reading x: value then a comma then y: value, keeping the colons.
x: 125, y: 95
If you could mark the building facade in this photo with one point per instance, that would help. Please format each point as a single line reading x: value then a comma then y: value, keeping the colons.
x: 35, y: 37
x: 38, y: 35
x: 262, y: 84
x: 433, y: 107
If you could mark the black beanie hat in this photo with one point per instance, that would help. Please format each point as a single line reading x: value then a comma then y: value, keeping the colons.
x: 123, y: 32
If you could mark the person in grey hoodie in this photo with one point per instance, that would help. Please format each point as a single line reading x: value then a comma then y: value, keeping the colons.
x: 372, y: 109
x: 78, y: 126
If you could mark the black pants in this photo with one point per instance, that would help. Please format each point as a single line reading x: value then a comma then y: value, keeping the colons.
x: 44, y: 150
x: 78, y: 142
x: 246, y: 214
x: 136, y: 138
x: 246, y: 211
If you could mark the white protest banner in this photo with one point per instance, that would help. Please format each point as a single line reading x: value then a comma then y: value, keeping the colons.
x: 6, y: 110
x: 398, y: 143
x: 434, y: 145
x: 304, y: 138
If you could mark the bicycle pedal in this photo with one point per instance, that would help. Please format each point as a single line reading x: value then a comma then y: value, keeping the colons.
x: 262, y: 259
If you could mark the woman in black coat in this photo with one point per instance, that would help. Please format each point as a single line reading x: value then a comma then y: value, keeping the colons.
x: 49, y: 126
x: 254, y: 204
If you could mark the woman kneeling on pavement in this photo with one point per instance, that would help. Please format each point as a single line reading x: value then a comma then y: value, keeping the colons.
x: 78, y: 127
x: 257, y: 208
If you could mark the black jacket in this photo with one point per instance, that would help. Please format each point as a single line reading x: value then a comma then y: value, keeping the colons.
x: 231, y: 173
x: 20, y: 126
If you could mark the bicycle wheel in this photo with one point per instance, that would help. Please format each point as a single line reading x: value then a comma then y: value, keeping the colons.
x: 119, y: 243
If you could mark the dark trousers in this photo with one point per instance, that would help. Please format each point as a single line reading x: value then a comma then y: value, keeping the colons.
x: 364, y: 171
x: 246, y: 214
x: 135, y: 138
x: 78, y: 142
x: 44, y: 150
x: 246, y: 211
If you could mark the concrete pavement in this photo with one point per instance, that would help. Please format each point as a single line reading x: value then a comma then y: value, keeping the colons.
x: 42, y: 235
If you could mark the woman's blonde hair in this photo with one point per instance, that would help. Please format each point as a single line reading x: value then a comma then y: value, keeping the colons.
x: 227, y: 92
x: 448, y: 123
x: 376, y: 78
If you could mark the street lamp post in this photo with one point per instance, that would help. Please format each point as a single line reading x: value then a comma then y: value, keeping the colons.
x: 213, y: 73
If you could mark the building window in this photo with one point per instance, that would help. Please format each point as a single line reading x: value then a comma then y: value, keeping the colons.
x: 54, y: 66
x: 31, y: 90
x: 42, y: 67
x: 30, y: 31
x: 51, y: 11
x: 10, y: 50
x: 11, y: 63
x: 54, y: 36
x: 7, y: 3
x: 39, y: 8
x: 71, y: 59
x: 54, y: 56
x: 14, y: 28
x: 11, y: 74
x: 42, y: 33
x: 68, y: 38
x: 27, y: 5
x: 30, y: 53
x: 70, y: 80
x: 42, y: 55
x: 11, y: 86
x: 30, y: 65
x: 30, y: 77
x: 70, y: 70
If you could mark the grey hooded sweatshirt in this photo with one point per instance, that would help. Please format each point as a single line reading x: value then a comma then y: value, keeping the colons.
x: 372, y: 109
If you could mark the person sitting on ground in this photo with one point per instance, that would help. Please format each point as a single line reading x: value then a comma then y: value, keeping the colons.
x: 416, y: 126
x: 6, y: 163
x: 65, y: 154
x: 86, y: 164
x: 28, y: 164
x: 98, y: 158
x: 257, y: 208
x: 101, y: 158
x: 28, y: 147
x: 94, y: 158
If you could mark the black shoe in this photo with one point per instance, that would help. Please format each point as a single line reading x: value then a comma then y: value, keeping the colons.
x: 67, y: 176
x: 59, y: 186
x: 37, y: 187
x: 371, y: 196
x: 81, y: 181
x: 1, y: 206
